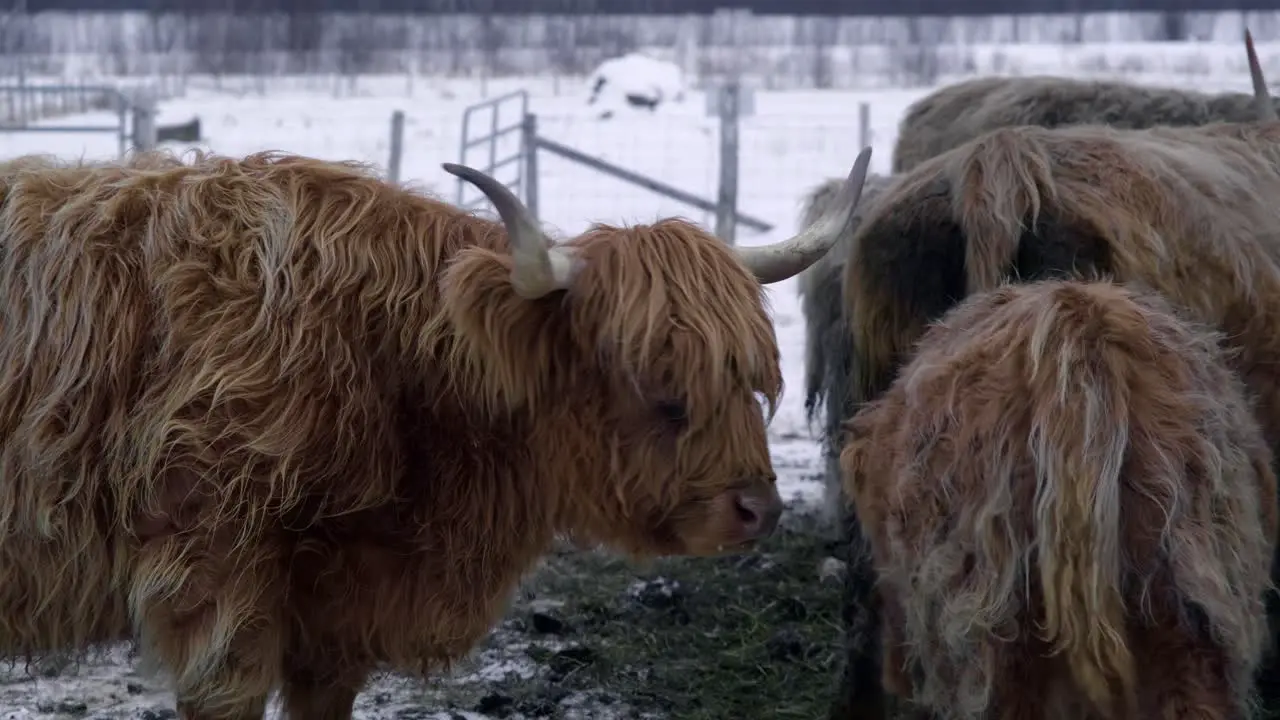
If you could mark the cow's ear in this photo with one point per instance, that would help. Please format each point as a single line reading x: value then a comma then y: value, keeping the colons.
x: 514, y: 348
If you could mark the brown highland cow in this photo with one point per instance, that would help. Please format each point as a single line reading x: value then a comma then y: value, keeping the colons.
x: 953, y: 115
x: 1072, y: 512
x: 1188, y: 212
x: 286, y: 424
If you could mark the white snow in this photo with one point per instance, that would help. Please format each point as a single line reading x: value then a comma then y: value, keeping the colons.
x: 793, y: 141
x: 619, y: 83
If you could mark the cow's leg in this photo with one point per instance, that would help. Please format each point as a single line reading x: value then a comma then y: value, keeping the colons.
x: 208, y: 605
x: 314, y: 694
x: 860, y: 695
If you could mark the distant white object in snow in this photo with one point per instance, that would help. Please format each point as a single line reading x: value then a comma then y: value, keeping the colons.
x: 634, y: 81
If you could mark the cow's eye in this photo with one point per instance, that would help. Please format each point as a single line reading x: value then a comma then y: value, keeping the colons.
x: 673, y: 413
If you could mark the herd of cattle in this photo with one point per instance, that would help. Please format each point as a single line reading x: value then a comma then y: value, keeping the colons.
x: 284, y: 424
x: 1047, y: 349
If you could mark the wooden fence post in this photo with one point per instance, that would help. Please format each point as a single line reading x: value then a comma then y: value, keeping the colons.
x: 144, y: 123
x: 529, y: 148
x: 397, y: 146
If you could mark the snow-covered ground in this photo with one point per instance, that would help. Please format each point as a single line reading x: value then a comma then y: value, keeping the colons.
x: 793, y: 141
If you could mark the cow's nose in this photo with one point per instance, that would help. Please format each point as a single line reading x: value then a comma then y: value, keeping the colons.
x: 758, y: 512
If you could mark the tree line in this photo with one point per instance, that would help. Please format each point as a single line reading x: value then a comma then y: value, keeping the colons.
x: 793, y: 50
x: 827, y: 8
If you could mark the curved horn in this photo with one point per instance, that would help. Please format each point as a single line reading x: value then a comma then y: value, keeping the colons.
x: 536, y: 269
x: 1261, y: 98
x: 771, y: 263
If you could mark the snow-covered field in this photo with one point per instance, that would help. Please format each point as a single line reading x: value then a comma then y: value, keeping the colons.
x: 791, y: 142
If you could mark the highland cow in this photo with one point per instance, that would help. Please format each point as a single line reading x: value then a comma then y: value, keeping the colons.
x: 286, y: 424
x: 1188, y: 212
x: 953, y: 115
x: 1072, y: 512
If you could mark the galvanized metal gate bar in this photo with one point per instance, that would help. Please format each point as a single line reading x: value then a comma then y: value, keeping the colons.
x: 474, y: 137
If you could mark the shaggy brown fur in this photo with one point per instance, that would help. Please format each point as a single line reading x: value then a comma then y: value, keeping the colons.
x: 285, y: 423
x: 1071, y: 509
x: 956, y: 114
x: 1188, y: 212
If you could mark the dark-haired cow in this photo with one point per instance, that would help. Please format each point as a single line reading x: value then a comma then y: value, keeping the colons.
x: 953, y: 115
x: 1188, y: 212
x: 1072, y: 512
x: 285, y: 423
x: 822, y: 302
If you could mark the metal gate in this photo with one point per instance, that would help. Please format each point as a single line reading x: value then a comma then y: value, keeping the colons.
x: 21, y: 106
x: 493, y: 143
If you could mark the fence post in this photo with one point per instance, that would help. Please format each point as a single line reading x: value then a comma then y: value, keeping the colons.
x: 122, y: 116
x: 24, y: 98
x: 144, y: 124
x: 727, y: 198
x: 864, y: 125
x: 397, y: 146
x: 529, y: 148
